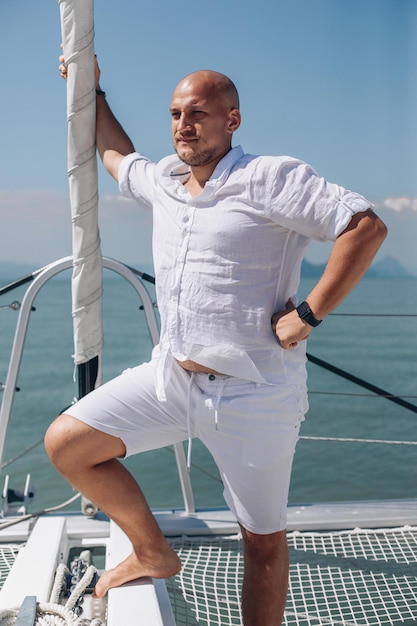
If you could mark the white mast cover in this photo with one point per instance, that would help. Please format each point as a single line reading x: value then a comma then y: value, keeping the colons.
x: 77, y: 25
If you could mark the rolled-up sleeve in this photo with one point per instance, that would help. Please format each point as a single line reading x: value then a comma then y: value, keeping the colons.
x: 137, y: 179
x: 302, y: 201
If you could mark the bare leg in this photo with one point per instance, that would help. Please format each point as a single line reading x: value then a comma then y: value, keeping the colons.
x: 265, y: 582
x: 87, y: 458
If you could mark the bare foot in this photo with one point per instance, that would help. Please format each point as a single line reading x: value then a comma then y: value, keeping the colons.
x: 133, y: 567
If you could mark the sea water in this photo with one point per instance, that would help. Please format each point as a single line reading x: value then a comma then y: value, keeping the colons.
x: 372, y: 335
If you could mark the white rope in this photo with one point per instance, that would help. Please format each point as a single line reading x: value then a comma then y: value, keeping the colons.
x: 51, y: 509
x: 49, y: 614
x: 46, y: 615
x: 8, y: 617
x: 54, y: 614
x: 61, y: 571
x: 81, y: 587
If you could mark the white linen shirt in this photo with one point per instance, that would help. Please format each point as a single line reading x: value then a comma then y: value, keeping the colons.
x: 229, y: 258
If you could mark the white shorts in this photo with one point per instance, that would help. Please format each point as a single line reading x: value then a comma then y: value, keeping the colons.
x: 250, y: 429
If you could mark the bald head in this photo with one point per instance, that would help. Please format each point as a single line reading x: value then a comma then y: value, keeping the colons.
x: 210, y: 83
x: 205, y: 114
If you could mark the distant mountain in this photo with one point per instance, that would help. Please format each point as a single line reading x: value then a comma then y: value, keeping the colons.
x: 388, y: 267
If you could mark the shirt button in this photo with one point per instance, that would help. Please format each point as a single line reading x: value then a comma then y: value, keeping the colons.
x: 212, y: 377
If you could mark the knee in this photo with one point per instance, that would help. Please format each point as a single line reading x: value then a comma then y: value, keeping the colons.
x: 73, y: 446
x: 265, y: 548
x: 59, y: 440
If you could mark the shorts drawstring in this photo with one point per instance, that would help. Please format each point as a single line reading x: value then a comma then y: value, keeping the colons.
x: 190, y: 438
x: 219, y: 394
x: 218, y: 400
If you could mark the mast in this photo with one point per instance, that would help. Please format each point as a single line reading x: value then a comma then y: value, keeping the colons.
x: 77, y: 27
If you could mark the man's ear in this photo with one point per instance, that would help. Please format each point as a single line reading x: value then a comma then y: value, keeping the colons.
x: 234, y: 120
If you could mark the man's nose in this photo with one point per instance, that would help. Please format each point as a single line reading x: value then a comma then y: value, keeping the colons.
x: 183, y: 122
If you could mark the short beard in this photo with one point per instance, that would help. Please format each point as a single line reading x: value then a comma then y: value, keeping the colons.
x: 200, y: 158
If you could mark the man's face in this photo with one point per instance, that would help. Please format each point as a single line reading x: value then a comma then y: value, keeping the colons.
x: 200, y: 122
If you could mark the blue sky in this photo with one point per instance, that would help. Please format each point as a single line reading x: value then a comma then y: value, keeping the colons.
x: 332, y: 82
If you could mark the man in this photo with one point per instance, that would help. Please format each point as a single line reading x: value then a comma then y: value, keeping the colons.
x: 230, y: 230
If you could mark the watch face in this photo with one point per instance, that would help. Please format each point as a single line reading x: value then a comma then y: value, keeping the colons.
x: 305, y: 313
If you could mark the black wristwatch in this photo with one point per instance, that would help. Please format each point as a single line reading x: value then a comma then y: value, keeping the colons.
x: 305, y: 313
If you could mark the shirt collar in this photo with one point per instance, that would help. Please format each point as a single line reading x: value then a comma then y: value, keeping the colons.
x: 224, y: 166
x: 176, y: 170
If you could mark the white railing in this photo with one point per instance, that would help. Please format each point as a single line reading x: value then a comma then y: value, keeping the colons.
x: 39, y: 280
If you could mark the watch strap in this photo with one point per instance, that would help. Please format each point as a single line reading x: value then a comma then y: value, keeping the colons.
x: 306, y: 314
